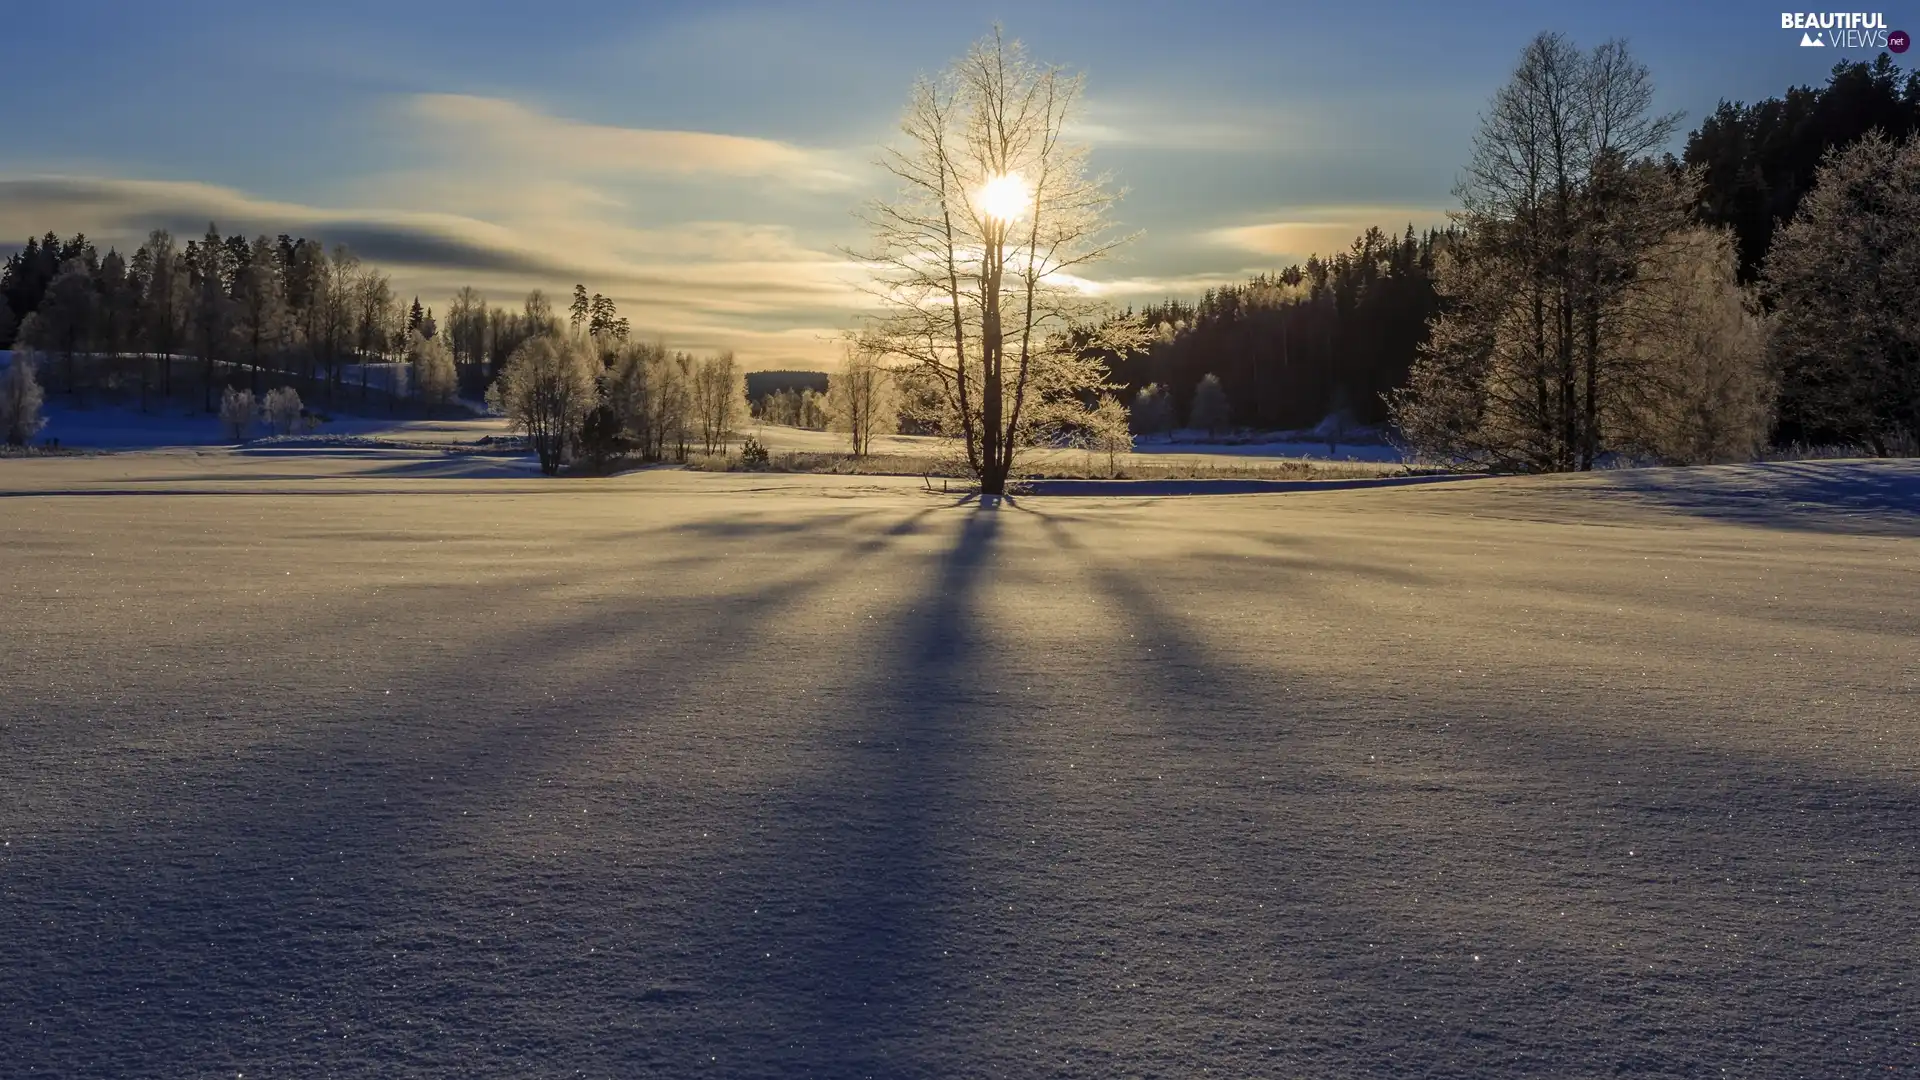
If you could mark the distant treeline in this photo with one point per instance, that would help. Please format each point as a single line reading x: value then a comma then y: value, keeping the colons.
x: 764, y: 384
x: 1338, y: 333
x: 1290, y: 348
x: 253, y: 313
x: 1330, y: 335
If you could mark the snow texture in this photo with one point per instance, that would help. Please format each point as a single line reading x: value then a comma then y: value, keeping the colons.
x: 361, y: 765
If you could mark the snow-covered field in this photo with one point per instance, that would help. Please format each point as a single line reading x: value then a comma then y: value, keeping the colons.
x: 377, y: 764
x: 122, y: 427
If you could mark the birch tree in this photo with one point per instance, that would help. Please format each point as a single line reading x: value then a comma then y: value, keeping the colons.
x: 977, y: 257
x: 548, y: 388
x: 858, y: 395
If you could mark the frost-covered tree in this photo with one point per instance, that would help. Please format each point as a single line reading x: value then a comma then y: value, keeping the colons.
x: 1209, y: 412
x: 719, y: 399
x: 1561, y: 203
x: 282, y: 409
x: 651, y: 390
x: 1152, y: 411
x: 238, y: 411
x: 975, y: 255
x: 548, y: 388
x: 1703, y: 394
x: 1107, y: 431
x: 433, y: 374
x: 21, y: 398
x: 859, y: 395
x: 1845, y: 276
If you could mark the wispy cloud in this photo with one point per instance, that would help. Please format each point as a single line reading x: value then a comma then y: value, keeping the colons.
x: 707, y: 284
x: 497, y: 129
x: 1298, y: 232
x: 1120, y: 124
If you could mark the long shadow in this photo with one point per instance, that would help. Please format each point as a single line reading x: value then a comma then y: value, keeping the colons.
x: 1868, y: 497
x: 292, y: 907
x: 849, y: 966
x: 1521, y: 894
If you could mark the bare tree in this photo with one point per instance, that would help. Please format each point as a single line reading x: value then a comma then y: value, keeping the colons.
x: 719, y: 399
x: 975, y: 257
x: 1560, y: 206
x: 238, y: 411
x: 859, y: 396
x: 548, y: 388
x: 338, y: 301
x: 21, y: 398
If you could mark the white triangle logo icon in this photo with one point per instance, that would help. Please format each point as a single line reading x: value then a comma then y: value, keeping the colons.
x: 1808, y: 41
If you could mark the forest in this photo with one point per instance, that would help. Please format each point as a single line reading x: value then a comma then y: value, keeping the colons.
x: 1336, y: 335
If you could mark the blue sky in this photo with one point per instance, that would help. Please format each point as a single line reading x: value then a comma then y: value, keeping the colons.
x: 701, y: 162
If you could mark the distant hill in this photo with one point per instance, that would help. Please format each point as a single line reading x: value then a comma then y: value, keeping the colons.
x: 762, y: 384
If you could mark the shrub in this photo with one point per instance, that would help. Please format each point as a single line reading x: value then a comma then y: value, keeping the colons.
x: 20, y: 401
x: 283, y: 409
x: 237, y: 413
x: 753, y: 455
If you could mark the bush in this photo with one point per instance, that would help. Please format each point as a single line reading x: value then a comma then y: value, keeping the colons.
x: 20, y: 401
x: 283, y: 409
x: 237, y: 414
x: 753, y: 455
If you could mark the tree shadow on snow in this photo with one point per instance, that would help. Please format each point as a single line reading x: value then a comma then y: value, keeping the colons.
x: 1869, y: 497
x: 323, y: 907
x: 1446, y: 885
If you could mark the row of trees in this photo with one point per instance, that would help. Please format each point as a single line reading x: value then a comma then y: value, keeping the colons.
x: 1326, y: 336
x: 1586, y: 310
x: 576, y: 394
x: 261, y: 305
x: 265, y: 310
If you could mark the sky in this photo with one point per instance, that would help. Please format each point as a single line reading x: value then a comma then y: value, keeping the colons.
x: 702, y: 163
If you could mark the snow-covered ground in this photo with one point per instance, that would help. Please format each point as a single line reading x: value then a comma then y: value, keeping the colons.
x: 350, y: 765
x: 122, y: 427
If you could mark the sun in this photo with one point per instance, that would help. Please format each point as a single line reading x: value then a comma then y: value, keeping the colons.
x: 1004, y: 198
